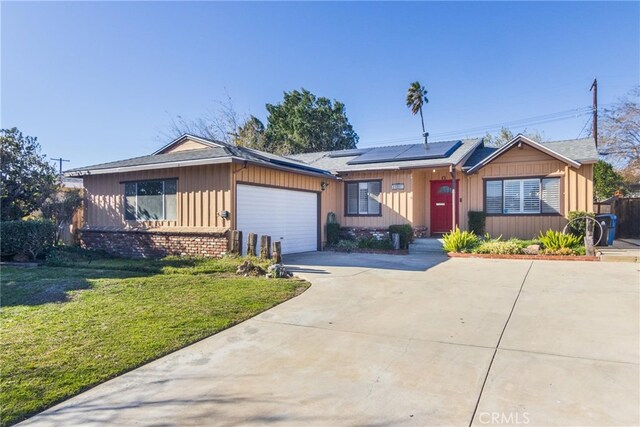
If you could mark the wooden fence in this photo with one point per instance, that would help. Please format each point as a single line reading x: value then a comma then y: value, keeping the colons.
x: 628, y: 212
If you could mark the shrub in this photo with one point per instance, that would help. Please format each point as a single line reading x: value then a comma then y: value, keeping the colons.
x: 373, y: 243
x: 498, y: 248
x: 459, y: 241
x: 31, y: 237
x: 60, y: 208
x: 554, y: 240
x: 477, y: 221
x: 560, y: 251
x: 347, y: 245
x: 333, y: 233
x: 578, y: 227
x: 406, y: 234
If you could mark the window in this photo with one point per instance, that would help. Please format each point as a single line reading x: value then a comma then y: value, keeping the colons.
x: 151, y: 200
x: 522, y: 196
x: 363, y: 198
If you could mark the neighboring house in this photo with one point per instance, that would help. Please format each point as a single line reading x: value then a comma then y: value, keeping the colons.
x: 187, y: 195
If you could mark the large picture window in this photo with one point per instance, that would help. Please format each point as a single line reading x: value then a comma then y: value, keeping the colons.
x: 151, y: 200
x: 528, y: 196
x: 363, y: 198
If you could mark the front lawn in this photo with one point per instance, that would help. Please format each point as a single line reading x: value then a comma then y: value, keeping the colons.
x: 65, y: 329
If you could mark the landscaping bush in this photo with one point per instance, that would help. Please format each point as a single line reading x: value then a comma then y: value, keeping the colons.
x: 373, y: 243
x: 333, y: 233
x: 560, y: 251
x: 30, y: 238
x: 578, y: 227
x: 406, y: 234
x: 555, y: 240
x: 459, y: 241
x: 477, y: 222
x: 497, y: 247
x: 347, y: 245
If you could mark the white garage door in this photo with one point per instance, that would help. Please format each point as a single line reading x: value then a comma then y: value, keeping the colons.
x: 286, y: 215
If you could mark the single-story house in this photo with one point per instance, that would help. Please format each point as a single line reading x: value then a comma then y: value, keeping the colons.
x: 185, y: 197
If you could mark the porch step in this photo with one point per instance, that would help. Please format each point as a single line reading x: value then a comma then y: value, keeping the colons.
x: 426, y: 245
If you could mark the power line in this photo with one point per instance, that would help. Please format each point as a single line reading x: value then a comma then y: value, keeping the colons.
x: 541, y: 119
x: 60, y: 160
x: 584, y: 127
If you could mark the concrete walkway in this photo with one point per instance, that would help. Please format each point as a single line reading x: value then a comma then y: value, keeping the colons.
x: 408, y: 340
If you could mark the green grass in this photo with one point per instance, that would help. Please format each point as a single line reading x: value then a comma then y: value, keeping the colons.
x: 67, y: 329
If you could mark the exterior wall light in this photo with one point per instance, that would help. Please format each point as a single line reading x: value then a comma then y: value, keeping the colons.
x: 324, y: 185
x: 224, y: 214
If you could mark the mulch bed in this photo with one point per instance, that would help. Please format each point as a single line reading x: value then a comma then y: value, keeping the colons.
x: 536, y: 257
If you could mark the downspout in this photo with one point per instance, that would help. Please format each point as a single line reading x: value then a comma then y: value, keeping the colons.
x: 454, y: 198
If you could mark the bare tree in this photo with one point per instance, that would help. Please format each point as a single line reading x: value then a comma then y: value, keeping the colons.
x: 219, y: 123
x: 620, y: 133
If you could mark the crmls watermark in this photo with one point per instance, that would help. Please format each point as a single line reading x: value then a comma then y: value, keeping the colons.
x: 511, y: 418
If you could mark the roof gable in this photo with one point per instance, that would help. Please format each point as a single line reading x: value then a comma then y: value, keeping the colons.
x: 187, y: 142
x: 518, y: 140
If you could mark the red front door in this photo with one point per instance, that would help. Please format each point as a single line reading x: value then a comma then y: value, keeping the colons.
x: 441, y: 206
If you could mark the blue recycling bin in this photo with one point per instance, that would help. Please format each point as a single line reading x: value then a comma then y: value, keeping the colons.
x: 611, y: 220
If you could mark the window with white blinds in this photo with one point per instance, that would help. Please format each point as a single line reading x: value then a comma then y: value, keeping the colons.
x: 493, y: 197
x: 550, y: 195
x: 363, y: 198
x: 522, y: 196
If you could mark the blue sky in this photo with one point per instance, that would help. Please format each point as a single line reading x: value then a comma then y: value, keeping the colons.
x: 100, y: 81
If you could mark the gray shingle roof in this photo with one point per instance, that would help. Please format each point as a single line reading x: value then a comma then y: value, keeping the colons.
x: 205, y: 153
x: 324, y: 160
x: 580, y: 150
x: 225, y: 152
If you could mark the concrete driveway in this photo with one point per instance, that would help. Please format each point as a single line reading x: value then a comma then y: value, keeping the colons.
x: 416, y: 340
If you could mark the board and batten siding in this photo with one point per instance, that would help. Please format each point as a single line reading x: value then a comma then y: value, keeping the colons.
x: 397, y: 206
x: 258, y: 175
x: 576, y: 185
x: 202, y: 192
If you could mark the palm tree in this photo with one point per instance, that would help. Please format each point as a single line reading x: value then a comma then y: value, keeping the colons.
x: 416, y: 98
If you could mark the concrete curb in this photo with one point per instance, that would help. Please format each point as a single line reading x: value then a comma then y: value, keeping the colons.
x: 534, y: 257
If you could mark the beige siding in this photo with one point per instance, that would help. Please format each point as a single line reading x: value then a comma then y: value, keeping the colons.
x: 397, y: 206
x: 576, y: 184
x: 202, y: 192
x: 276, y: 178
x: 185, y: 146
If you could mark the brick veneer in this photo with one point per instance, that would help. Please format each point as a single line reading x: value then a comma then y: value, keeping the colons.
x: 378, y: 233
x: 360, y: 233
x: 155, y: 244
x: 420, y: 232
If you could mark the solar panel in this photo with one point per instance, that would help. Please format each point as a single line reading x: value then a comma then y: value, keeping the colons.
x: 376, y: 155
x: 348, y: 153
x: 437, y: 150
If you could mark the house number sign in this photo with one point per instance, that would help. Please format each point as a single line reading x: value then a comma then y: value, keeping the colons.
x: 397, y: 186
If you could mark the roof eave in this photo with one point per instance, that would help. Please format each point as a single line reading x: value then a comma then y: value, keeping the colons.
x: 292, y: 169
x: 152, y: 166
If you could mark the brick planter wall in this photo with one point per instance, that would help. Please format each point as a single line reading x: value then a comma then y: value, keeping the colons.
x: 420, y: 232
x: 378, y: 233
x: 155, y: 244
x: 360, y: 233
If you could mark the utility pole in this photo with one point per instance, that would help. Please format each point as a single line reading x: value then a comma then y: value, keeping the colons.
x: 594, y: 89
x: 60, y: 160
